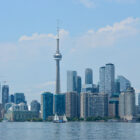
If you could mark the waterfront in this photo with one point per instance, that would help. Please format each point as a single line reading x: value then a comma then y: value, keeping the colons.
x: 69, y: 131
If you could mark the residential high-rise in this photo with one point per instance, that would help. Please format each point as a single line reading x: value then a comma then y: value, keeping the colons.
x: 71, y: 81
x: 109, y: 79
x: 46, y: 105
x: 94, y: 105
x: 5, y: 94
x: 19, y: 98
x: 57, y: 57
x: 102, y: 80
x: 88, y: 76
x: 124, y: 83
x: 72, y: 104
x: 127, y: 104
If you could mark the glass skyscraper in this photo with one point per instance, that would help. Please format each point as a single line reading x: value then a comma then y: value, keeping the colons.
x: 5, y: 94
x: 109, y: 79
x: 102, y: 80
x: 19, y: 98
x: 124, y: 83
x: 46, y: 105
x: 88, y: 76
x: 71, y: 81
x: 59, y: 104
x: 79, y: 84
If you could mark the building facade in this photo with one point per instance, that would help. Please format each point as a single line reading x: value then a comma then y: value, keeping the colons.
x: 71, y: 81
x: 46, y: 105
x: 127, y: 104
x: 102, y: 80
x: 35, y: 106
x: 94, y: 105
x: 72, y: 104
x: 88, y: 76
x: 109, y: 79
x: 124, y: 83
x: 19, y: 98
x: 59, y: 104
x: 5, y: 94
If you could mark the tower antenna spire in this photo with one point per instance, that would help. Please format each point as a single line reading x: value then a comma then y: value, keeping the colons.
x: 58, y: 29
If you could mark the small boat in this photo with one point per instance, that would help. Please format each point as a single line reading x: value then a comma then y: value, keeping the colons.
x: 65, y: 118
x: 58, y: 120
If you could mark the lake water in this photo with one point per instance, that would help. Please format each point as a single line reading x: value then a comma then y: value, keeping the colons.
x: 69, y: 131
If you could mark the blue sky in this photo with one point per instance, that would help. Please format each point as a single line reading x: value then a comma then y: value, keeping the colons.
x: 93, y: 33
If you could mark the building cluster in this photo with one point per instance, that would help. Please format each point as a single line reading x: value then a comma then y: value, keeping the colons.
x: 112, y: 97
x: 14, y: 107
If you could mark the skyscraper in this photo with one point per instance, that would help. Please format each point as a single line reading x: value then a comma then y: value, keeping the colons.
x: 19, y: 98
x: 46, y: 105
x: 72, y: 104
x: 59, y: 104
x: 35, y: 106
x: 71, y: 81
x: 79, y: 84
x: 5, y: 94
x: 94, y: 105
x: 127, y: 104
x: 57, y: 57
x: 88, y: 76
x: 109, y: 79
x: 102, y: 80
x: 124, y: 83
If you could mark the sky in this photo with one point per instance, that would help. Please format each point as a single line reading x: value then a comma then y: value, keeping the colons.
x: 92, y: 33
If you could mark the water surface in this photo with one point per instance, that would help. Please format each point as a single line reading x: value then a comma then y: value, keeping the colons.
x: 69, y: 131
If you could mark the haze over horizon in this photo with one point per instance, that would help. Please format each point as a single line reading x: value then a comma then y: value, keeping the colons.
x: 92, y: 34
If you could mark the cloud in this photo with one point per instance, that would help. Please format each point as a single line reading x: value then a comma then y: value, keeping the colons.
x: 36, y: 36
x: 109, y: 35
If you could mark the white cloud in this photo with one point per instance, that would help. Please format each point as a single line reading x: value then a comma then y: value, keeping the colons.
x: 36, y: 36
x: 109, y: 35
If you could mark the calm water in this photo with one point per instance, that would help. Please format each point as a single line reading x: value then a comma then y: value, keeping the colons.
x: 69, y: 131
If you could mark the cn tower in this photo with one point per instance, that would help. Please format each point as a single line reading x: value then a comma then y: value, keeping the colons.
x: 57, y: 57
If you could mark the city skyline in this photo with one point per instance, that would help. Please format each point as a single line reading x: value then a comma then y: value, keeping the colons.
x: 27, y: 46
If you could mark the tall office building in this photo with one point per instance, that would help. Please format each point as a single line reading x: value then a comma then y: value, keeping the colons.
x: 79, y: 84
x: 46, y: 105
x: 5, y: 94
x: 88, y: 76
x: 127, y: 104
x: 102, y: 80
x: 71, y: 81
x: 19, y: 98
x: 59, y: 104
x: 124, y: 83
x: 109, y: 79
x: 72, y: 104
x: 57, y: 57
